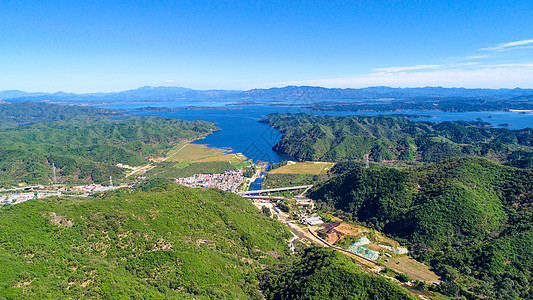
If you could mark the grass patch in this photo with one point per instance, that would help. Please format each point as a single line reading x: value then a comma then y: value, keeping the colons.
x: 411, y: 267
x: 187, y: 154
x: 311, y: 168
x: 193, y: 152
x: 346, y: 241
x: 285, y: 180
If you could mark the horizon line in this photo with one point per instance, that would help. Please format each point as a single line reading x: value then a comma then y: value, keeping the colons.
x: 272, y: 87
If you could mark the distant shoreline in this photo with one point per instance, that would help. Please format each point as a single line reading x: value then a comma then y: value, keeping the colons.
x: 151, y: 108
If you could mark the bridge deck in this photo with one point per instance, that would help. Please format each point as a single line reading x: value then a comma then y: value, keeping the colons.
x: 276, y: 190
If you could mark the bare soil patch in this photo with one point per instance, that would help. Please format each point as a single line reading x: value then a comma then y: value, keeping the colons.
x: 59, y: 220
x: 336, y: 231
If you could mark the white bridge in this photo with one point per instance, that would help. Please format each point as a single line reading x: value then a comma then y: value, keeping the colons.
x: 307, y: 187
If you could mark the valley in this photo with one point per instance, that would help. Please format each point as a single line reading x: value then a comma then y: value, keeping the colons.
x: 411, y: 223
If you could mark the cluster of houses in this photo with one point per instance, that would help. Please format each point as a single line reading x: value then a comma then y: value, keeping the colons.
x: 41, y: 195
x: 16, y: 198
x: 231, y: 180
x: 87, y: 188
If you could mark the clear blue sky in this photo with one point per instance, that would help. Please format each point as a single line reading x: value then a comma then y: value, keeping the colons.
x: 92, y: 46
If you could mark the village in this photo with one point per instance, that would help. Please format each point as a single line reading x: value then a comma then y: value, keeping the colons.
x: 231, y: 180
x: 19, y: 195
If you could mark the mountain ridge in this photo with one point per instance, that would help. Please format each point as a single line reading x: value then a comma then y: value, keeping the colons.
x: 302, y: 93
x: 468, y: 218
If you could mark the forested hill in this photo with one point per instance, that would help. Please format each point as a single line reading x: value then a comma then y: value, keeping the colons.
x: 328, y: 138
x: 471, y: 219
x: 453, y: 103
x: 86, y: 148
x: 323, y: 273
x: 161, y: 241
x: 14, y: 114
x: 165, y: 241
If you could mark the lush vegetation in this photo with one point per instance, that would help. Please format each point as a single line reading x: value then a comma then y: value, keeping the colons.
x: 158, y: 241
x: 32, y: 166
x: 146, y: 136
x: 469, y: 218
x: 392, y: 138
x: 521, y: 159
x: 284, y: 180
x: 434, y: 103
x: 322, y: 273
x: 15, y: 114
x: 85, y: 148
x: 280, y: 164
x: 249, y: 171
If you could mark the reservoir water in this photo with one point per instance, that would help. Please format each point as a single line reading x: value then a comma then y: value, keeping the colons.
x: 242, y: 133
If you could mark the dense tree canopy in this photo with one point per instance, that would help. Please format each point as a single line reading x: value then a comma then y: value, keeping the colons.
x: 162, y: 241
x: 86, y: 148
x: 15, y: 114
x: 469, y: 218
x: 322, y: 273
x: 386, y: 138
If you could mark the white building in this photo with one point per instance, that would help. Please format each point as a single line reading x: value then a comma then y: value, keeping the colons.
x: 314, y: 221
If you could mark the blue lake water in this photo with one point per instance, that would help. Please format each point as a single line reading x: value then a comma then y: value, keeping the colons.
x: 243, y: 134
x: 256, y: 185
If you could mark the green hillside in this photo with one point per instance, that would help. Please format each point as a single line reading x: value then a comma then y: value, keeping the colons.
x: 396, y: 138
x: 469, y: 218
x: 161, y: 241
x: 322, y: 273
x: 16, y: 114
x: 87, y: 148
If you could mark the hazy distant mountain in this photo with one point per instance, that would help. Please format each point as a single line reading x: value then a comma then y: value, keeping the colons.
x: 320, y: 93
x: 10, y: 94
x: 165, y: 93
x: 289, y: 93
x: 142, y: 94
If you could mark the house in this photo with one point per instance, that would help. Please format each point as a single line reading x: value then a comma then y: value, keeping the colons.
x: 304, y: 202
x: 314, y: 221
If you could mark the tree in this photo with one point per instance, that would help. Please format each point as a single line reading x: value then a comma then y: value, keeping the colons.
x: 265, y: 210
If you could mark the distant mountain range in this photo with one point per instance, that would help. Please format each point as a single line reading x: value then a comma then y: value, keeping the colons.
x: 289, y: 93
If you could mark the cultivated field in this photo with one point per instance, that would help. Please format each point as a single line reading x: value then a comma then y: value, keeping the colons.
x: 312, y: 168
x: 193, y: 152
x: 186, y: 153
x: 411, y: 267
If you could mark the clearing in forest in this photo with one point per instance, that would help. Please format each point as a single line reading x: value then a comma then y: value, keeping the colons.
x: 336, y: 231
x: 193, y: 152
x: 306, y: 167
x: 186, y: 153
x: 408, y: 265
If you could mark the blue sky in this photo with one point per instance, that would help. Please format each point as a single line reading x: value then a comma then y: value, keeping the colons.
x: 100, y: 46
